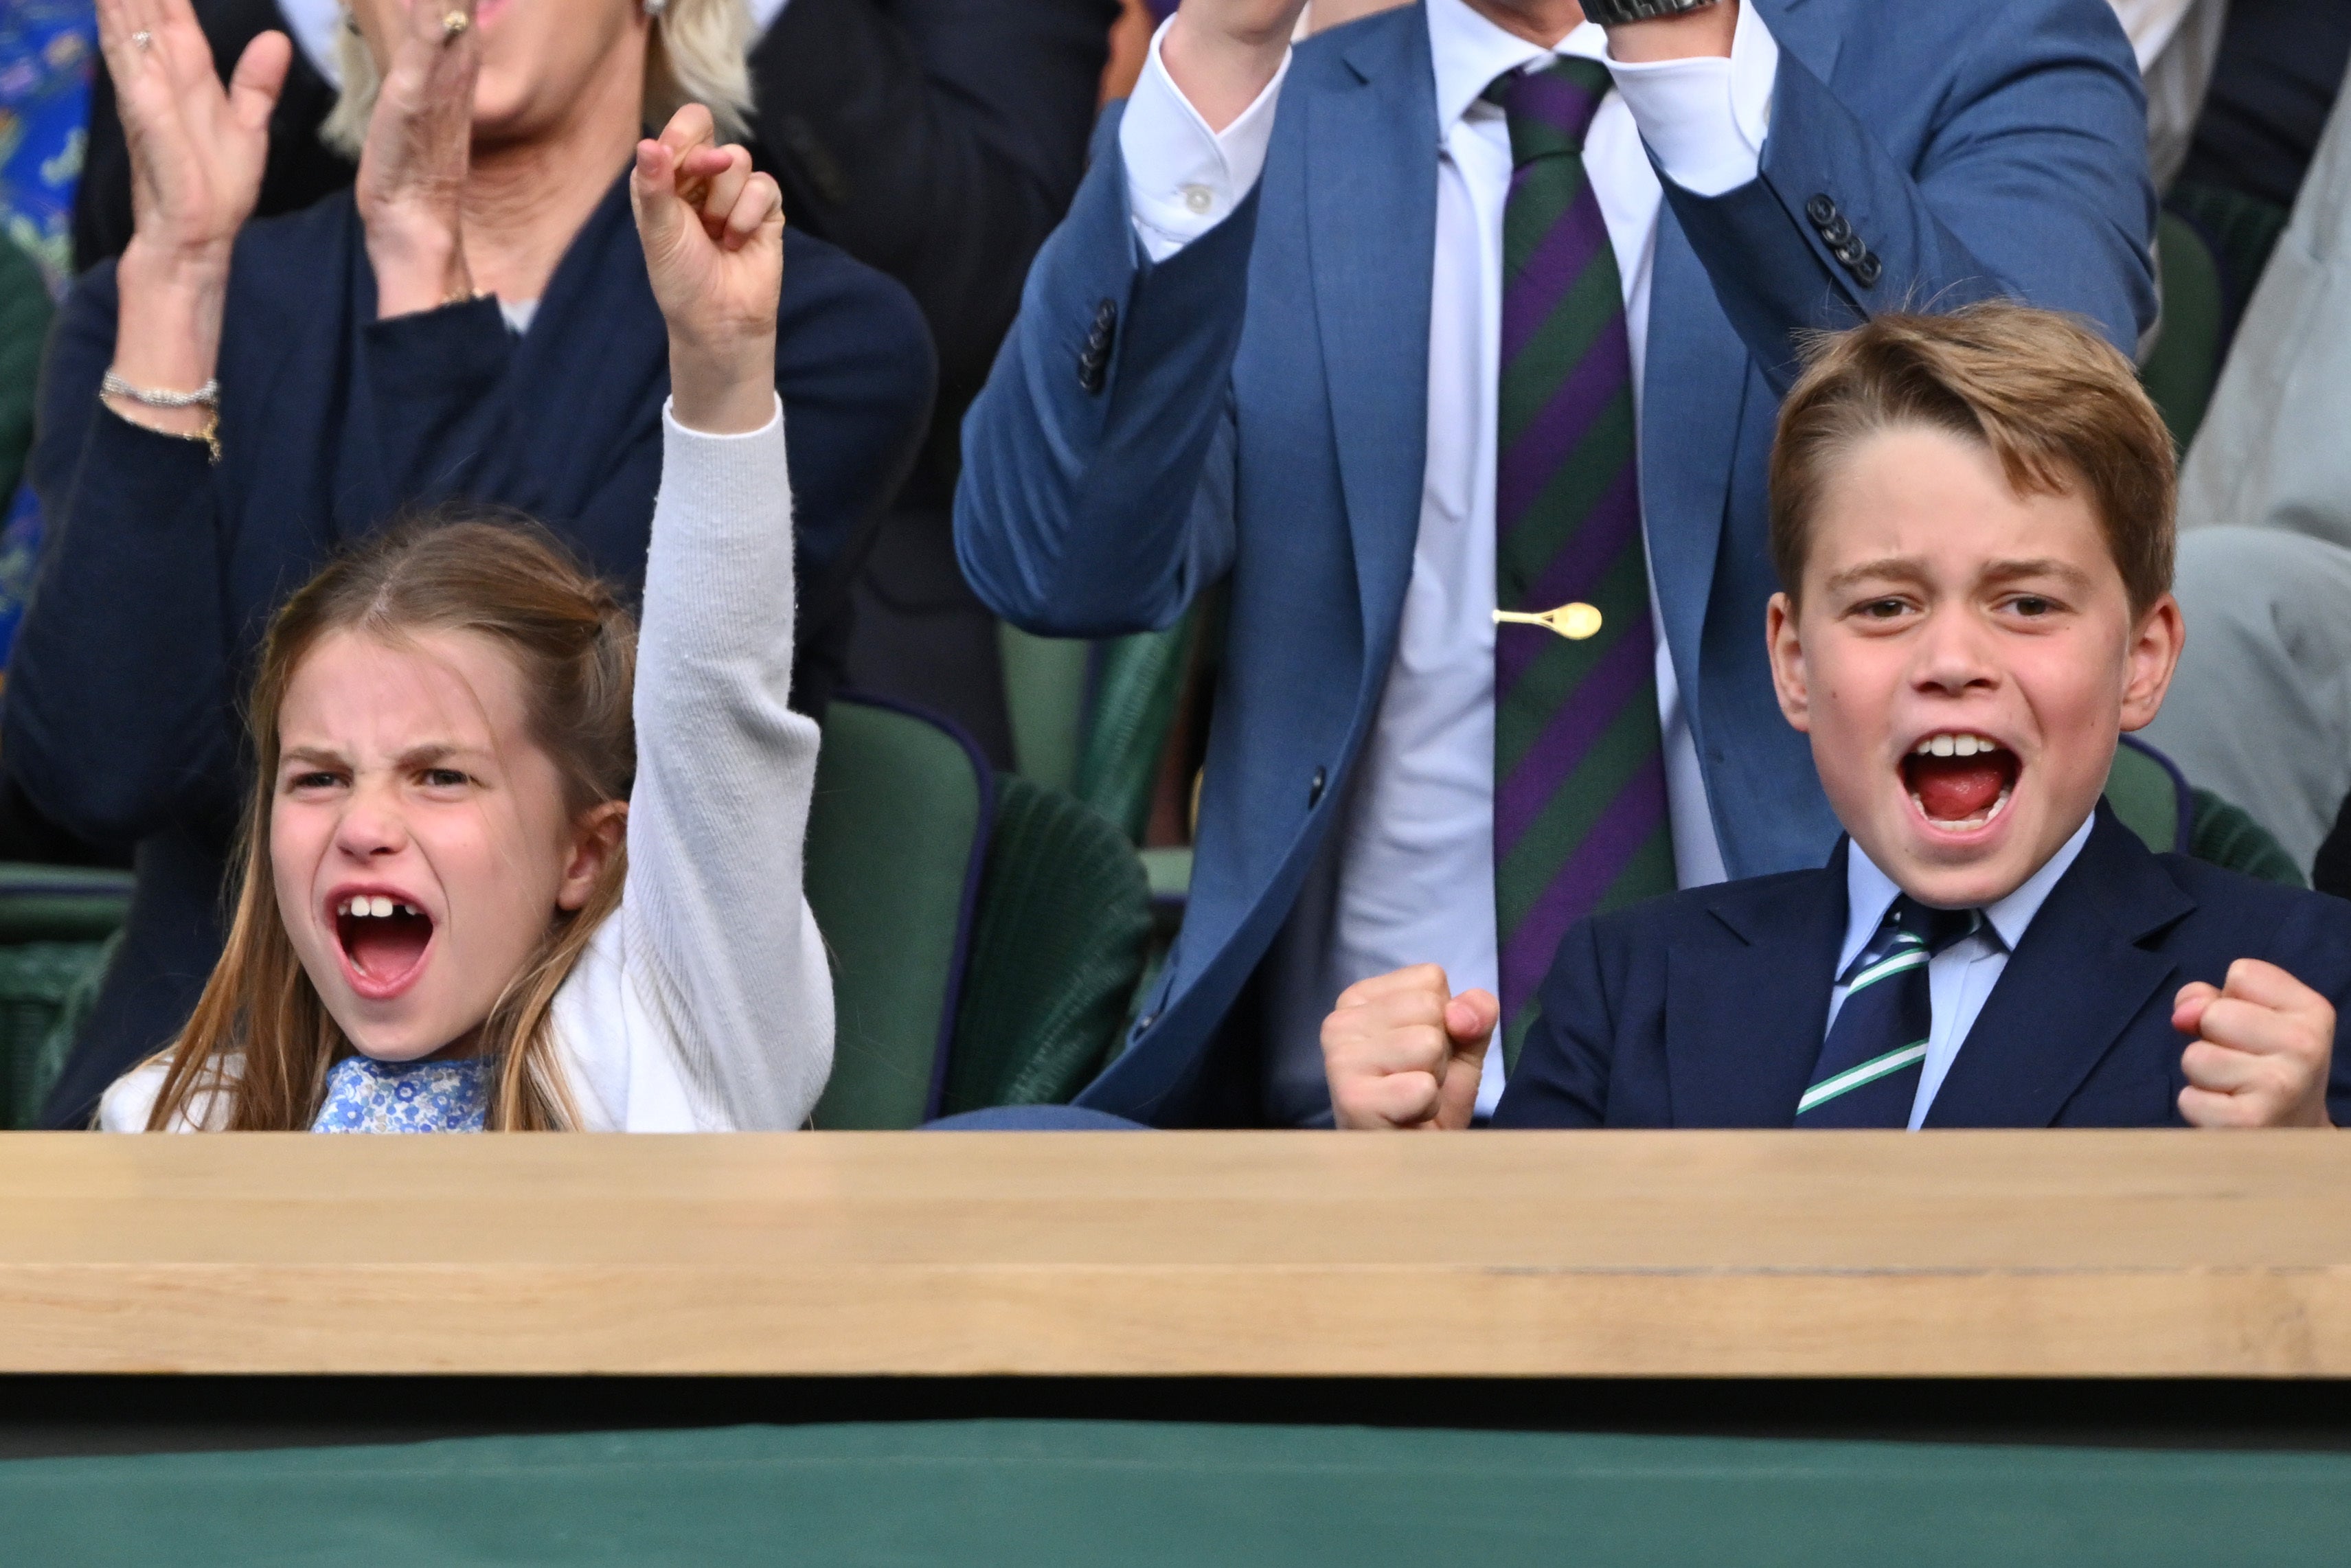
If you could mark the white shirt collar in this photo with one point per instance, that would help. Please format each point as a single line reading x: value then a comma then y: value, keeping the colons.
x: 1469, y: 52
x: 1869, y: 893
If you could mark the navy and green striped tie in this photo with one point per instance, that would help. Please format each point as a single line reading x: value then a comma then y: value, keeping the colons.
x: 1868, y: 1074
x: 1579, y: 823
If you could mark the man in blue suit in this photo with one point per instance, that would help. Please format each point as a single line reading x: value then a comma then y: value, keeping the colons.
x: 1972, y: 513
x: 1480, y: 310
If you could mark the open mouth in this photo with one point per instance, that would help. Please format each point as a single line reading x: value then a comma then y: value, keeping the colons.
x: 1961, y: 782
x: 383, y: 939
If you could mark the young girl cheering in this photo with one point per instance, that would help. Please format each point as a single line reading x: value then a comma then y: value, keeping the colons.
x: 475, y: 895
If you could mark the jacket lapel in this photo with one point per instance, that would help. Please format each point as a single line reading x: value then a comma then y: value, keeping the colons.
x: 1370, y: 194
x: 2070, y: 988
x: 1747, y: 999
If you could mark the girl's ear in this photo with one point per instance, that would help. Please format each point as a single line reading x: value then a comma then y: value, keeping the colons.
x: 596, y: 839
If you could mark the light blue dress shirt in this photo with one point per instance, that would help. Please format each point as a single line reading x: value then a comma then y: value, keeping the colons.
x: 1960, y: 977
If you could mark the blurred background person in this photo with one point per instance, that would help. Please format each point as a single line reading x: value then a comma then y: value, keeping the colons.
x: 472, y: 320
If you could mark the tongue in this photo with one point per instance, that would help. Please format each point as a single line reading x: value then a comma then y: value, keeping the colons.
x: 1954, y: 788
x: 387, y: 947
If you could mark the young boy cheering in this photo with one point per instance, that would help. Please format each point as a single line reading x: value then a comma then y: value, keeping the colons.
x: 1972, y: 517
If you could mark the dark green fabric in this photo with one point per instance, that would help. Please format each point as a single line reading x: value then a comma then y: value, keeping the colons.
x: 57, y: 931
x: 2243, y: 229
x: 1025, y: 1494
x: 2225, y: 836
x: 2178, y: 375
x: 25, y: 311
x: 1057, y: 946
x: 898, y: 812
x: 1138, y: 681
x: 46, y: 991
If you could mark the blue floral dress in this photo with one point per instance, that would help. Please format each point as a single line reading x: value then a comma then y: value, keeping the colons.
x: 364, y: 1096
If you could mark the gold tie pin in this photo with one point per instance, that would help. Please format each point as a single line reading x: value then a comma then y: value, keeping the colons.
x: 1572, y: 621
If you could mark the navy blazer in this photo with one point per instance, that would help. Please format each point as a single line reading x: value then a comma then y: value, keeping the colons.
x: 1707, y: 1009
x: 159, y: 573
x: 1254, y: 409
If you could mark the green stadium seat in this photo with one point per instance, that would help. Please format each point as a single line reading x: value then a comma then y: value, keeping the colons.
x: 897, y: 835
x: 2151, y: 796
x: 1057, y: 953
x: 2186, y: 363
x: 58, y: 929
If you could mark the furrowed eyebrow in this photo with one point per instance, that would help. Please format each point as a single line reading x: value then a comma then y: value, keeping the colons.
x: 2011, y: 570
x: 1889, y: 569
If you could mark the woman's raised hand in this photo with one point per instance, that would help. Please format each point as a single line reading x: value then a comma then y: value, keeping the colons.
x: 196, y: 150
x: 412, y: 180
x: 196, y: 157
x: 713, y: 238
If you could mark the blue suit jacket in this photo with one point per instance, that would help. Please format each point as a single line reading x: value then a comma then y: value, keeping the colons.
x: 1254, y: 409
x: 1707, y: 1009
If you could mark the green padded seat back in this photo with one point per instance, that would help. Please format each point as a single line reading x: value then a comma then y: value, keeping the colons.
x: 2146, y: 792
x: 1045, y: 681
x: 2242, y: 231
x: 58, y: 927
x: 1138, y: 682
x: 2227, y: 835
x: 896, y: 836
x: 2178, y: 375
x: 2154, y: 799
x: 1057, y: 949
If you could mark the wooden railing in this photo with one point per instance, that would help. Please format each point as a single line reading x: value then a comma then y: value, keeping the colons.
x: 1770, y: 1254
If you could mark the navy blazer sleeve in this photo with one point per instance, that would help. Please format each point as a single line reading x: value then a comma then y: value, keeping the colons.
x: 1093, y: 505
x: 2033, y: 185
x: 130, y: 568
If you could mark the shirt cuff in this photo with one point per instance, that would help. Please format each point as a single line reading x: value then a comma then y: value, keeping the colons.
x: 670, y: 420
x: 1705, y: 120
x: 1182, y: 178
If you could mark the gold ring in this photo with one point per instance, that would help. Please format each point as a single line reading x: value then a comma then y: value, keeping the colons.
x: 453, y: 25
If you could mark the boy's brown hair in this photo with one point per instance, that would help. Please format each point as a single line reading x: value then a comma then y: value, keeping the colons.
x: 2053, y: 399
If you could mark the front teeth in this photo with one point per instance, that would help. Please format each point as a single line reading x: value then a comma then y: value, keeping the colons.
x: 378, y: 908
x: 1954, y: 745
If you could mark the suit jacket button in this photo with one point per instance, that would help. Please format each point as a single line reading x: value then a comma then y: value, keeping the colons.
x: 1314, y: 790
x: 1822, y: 211
x: 1105, y: 315
x: 1867, y: 270
x: 1836, y: 232
x: 1850, y: 254
x: 1145, y: 1021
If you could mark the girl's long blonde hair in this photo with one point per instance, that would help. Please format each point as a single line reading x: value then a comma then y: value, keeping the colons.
x: 574, y: 645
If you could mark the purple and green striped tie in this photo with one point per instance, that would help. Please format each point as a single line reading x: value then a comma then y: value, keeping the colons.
x: 1580, y: 820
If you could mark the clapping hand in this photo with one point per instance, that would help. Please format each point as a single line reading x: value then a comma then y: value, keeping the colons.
x: 713, y: 236
x: 2262, y: 1049
x: 412, y: 171
x: 196, y: 157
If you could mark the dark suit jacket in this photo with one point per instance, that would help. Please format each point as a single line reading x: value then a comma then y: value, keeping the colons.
x: 160, y: 573
x: 1708, y: 1009
x: 1254, y: 410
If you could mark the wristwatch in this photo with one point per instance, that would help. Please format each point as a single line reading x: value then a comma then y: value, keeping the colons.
x: 1615, y: 12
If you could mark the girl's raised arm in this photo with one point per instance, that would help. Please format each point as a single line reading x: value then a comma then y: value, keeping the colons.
x: 722, y: 956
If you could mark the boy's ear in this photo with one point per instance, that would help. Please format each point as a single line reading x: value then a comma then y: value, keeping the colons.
x: 1787, y: 653
x: 2153, y: 655
x: 596, y: 840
